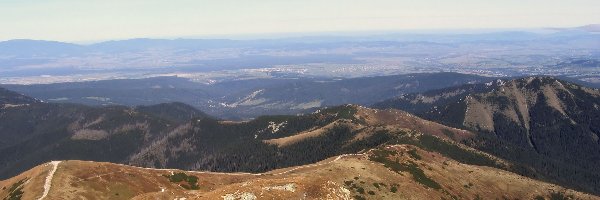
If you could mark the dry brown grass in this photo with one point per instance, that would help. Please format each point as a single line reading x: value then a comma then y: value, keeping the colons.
x: 34, y: 186
x: 396, y: 119
x: 479, y: 113
x: 314, y: 132
x: 334, y: 178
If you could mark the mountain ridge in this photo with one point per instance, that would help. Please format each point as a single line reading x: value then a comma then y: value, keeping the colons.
x: 540, y: 122
x: 387, y: 172
x: 122, y: 134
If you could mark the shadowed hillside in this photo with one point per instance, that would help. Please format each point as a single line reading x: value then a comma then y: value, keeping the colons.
x: 541, y: 122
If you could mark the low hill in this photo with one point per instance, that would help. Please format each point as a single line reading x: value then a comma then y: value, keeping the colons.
x: 272, y: 142
x: 11, y: 99
x: 175, y: 135
x: 33, y: 132
x: 387, y: 172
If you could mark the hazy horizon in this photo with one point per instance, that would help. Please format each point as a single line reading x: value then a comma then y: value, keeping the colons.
x: 76, y: 21
x: 294, y: 35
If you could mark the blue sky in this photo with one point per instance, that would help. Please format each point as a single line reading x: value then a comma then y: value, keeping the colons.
x: 91, y: 20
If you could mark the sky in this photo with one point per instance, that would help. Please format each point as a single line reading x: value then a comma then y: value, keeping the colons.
x: 96, y: 20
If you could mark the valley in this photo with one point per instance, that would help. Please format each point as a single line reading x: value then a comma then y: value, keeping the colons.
x: 375, y: 153
x: 245, y: 98
x: 299, y: 100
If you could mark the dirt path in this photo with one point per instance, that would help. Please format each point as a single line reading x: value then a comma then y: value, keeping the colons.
x: 258, y: 174
x: 317, y: 164
x: 48, y: 182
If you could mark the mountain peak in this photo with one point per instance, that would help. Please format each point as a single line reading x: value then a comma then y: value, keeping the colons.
x: 542, y: 117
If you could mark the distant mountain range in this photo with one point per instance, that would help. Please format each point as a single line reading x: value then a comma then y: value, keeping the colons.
x: 26, y: 48
x: 484, y: 52
x: 453, y: 142
x: 29, y: 47
x: 591, y: 28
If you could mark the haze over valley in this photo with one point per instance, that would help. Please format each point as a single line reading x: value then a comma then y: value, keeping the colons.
x: 564, y: 52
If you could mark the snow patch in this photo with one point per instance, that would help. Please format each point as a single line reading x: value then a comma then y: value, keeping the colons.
x: 335, y: 191
x: 290, y: 187
x: 308, y: 105
x: 103, y: 99
x: 14, y: 105
x: 247, y: 101
x: 345, y: 192
x: 275, y: 127
x: 242, y: 196
x: 500, y: 82
x: 59, y: 99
